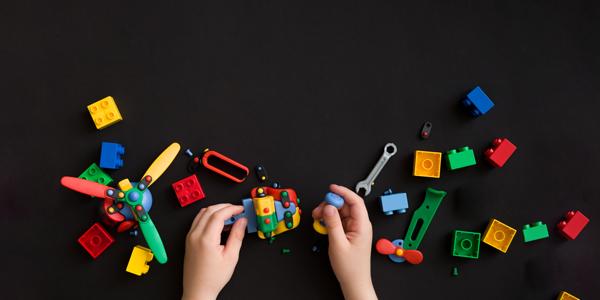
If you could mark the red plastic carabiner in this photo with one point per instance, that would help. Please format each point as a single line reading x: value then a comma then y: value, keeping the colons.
x: 226, y: 159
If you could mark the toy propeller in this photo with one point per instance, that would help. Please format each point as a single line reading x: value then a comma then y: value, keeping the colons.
x: 162, y: 162
x: 386, y: 247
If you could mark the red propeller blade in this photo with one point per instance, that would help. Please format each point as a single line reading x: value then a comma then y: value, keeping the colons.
x: 414, y: 257
x: 84, y: 186
x: 385, y: 247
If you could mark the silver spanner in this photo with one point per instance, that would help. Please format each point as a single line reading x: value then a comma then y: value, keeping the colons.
x: 388, y: 151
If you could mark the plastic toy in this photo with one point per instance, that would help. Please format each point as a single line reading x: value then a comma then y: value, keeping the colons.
x: 573, y: 224
x: 189, y: 153
x: 138, y: 261
x: 427, y: 164
x: 396, y: 253
x: 211, y: 153
x: 332, y: 199
x: 111, y: 155
x: 502, y: 149
x: 566, y: 296
x: 423, y: 216
x: 129, y: 206
x: 95, y: 240
x: 477, y: 102
x: 104, y: 112
x: 466, y: 244
x: 388, y: 151
x: 94, y: 173
x: 454, y: 271
x: 193, y: 164
x: 286, y: 251
x: 460, y: 158
x: 426, y: 130
x: 535, y: 231
x: 188, y: 190
x: 393, y: 203
x: 498, y: 235
x: 261, y: 174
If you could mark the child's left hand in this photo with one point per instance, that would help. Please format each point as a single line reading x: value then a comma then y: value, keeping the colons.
x: 208, y: 265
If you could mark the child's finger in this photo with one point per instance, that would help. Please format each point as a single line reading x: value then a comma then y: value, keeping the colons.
x: 236, y: 236
x: 317, y: 213
x: 197, y: 218
x: 333, y: 222
x: 203, y: 220
x: 354, y: 203
x: 216, y: 221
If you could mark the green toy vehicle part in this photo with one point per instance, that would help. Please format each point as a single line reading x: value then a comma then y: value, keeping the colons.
x: 423, y: 216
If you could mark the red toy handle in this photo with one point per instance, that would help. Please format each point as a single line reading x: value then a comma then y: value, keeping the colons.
x: 385, y: 247
x: 228, y: 160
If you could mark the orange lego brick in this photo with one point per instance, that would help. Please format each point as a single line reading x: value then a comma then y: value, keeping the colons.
x: 499, y: 235
x: 427, y: 164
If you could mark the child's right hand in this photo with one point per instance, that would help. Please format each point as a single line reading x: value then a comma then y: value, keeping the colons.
x: 350, y: 239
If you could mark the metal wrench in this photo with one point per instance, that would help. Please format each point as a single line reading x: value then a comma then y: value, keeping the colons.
x: 388, y: 151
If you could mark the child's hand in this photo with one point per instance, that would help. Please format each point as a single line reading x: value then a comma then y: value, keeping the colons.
x: 208, y: 265
x: 350, y: 238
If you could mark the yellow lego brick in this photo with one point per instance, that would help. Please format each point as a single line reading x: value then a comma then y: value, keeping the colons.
x: 104, y: 112
x: 498, y: 235
x: 427, y: 164
x: 566, y: 296
x: 138, y: 262
x: 125, y: 185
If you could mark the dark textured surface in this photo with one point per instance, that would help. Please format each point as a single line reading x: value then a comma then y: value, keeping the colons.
x: 313, y: 92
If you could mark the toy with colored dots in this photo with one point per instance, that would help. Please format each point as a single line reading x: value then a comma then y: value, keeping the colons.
x: 127, y: 207
x: 332, y: 199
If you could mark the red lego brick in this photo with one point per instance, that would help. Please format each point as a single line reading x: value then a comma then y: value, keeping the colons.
x: 95, y: 240
x: 502, y: 149
x: 573, y: 224
x: 188, y: 190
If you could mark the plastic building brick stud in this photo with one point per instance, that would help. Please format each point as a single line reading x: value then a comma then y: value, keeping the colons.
x: 423, y: 216
x: 94, y: 173
x: 427, y: 164
x: 477, y: 102
x: 502, y: 149
x: 573, y: 224
x: 498, y: 235
x: 188, y: 190
x: 111, y: 155
x: 466, y: 244
x: 104, y: 112
x: 535, y: 231
x: 138, y: 261
x: 394, y: 203
x: 566, y: 296
x: 95, y: 240
x: 460, y: 158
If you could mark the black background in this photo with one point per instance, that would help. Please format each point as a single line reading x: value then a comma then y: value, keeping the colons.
x: 312, y: 91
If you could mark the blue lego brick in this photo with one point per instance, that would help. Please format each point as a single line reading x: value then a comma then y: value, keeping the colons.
x: 111, y: 155
x: 394, y: 203
x: 250, y: 215
x: 477, y: 102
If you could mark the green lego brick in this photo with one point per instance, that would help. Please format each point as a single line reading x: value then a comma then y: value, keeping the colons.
x: 535, y: 231
x: 460, y: 158
x: 94, y: 173
x: 466, y: 244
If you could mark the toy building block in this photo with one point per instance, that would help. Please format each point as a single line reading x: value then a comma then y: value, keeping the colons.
x: 104, y: 112
x: 466, y: 244
x: 573, y: 224
x: 535, y: 231
x: 94, y: 173
x: 95, y: 240
x: 426, y: 130
x: 498, y: 235
x: 393, y: 203
x: 566, y: 296
x: 138, y: 261
x: 427, y: 164
x: 477, y: 102
x: 111, y: 155
x: 502, y: 149
x: 460, y: 158
x: 188, y: 190
x: 423, y: 216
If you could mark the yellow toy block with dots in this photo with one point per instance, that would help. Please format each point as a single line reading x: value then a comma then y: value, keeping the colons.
x: 498, y: 235
x: 566, y: 296
x: 427, y: 164
x: 104, y: 112
x: 138, y: 262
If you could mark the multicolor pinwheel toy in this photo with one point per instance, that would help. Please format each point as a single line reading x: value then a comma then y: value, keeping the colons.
x: 129, y: 205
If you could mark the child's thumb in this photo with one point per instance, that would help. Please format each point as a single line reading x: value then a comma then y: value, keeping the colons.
x: 335, y: 230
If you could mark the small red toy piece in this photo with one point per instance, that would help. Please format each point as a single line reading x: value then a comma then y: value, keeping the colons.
x: 573, y: 224
x: 386, y: 247
x: 502, y: 149
x: 95, y: 240
x: 188, y: 190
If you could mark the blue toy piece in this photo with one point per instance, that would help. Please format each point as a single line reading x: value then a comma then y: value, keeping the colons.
x: 280, y: 210
x: 477, y: 102
x: 248, y: 213
x: 111, y: 155
x: 394, y: 257
x: 334, y: 199
x: 393, y: 203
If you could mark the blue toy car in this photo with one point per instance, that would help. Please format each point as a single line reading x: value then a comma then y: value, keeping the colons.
x: 393, y: 203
